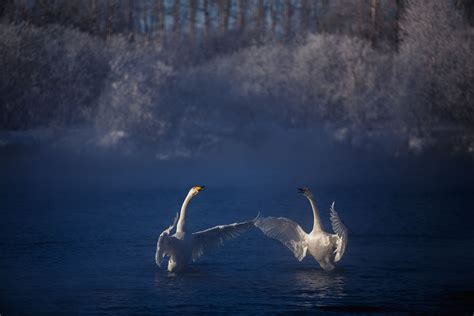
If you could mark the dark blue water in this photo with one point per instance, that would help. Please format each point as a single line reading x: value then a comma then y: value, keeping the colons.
x: 69, y: 247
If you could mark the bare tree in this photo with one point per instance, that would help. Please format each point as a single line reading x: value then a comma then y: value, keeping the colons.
x: 146, y: 29
x: 360, y: 18
x: 287, y: 17
x: 176, y: 17
x: 304, y: 16
x: 161, y: 17
x: 94, y: 15
x: 224, y: 10
x: 274, y: 14
x: 374, y: 7
x: 323, y: 27
x: 207, y: 21
x: 192, y: 17
x: 399, y: 7
x: 110, y: 17
x: 260, y: 16
x: 130, y: 21
x: 241, y: 8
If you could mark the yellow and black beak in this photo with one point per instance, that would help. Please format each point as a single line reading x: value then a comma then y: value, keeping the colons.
x: 199, y: 188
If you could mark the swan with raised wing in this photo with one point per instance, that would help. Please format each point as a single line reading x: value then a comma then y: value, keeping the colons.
x: 326, y: 248
x: 183, y: 247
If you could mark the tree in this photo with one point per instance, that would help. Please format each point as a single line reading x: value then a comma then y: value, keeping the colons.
x: 176, y: 18
x: 260, y: 16
x: 305, y: 12
x: 94, y: 15
x: 287, y: 18
x: 241, y: 9
x: 224, y: 7
x: 110, y: 17
x: 207, y: 21
x: 435, y: 66
x: 192, y: 17
x: 160, y: 7
x: 374, y: 12
x: 130, y: 17
x: 274, y: 14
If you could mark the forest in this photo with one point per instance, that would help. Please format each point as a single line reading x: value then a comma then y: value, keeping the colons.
x: 191, y: 74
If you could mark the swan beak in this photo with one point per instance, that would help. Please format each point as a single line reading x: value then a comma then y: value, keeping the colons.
x: 199, y: 188
x: 301, y: 190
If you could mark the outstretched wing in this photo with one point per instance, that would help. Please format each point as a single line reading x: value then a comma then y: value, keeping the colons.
x: 341, y: 232
x: 287, y: 232
x: 211, y: 238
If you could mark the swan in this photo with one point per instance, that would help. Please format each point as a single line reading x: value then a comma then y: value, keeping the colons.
x: 183, y: 247
x: 326, y: 248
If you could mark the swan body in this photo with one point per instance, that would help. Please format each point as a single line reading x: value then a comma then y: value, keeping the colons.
x: 183, y: 247
x: 326, y: 248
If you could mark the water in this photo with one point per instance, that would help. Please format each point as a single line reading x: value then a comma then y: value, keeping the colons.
x: 87, y: 247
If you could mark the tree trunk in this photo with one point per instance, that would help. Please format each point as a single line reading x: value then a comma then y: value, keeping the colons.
x: 207, y: 21
x: 146, y: 29
x: 274, y: 14
x: 161, y: 18
x: 260, y: 17
x: 93, y: 13
x: 287, y: 18
x: 360, y: 18
x: 323, y: 16
x: 398, y: 14
x: 305, y: 13
x: 176, y: 18
x: 224, y: 7
x: 110, y: 17
x: 373, y: 20
x: 192, y: 18
x: 241, y: 8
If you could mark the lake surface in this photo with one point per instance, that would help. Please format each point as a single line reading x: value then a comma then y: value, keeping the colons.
x: 88, y: 248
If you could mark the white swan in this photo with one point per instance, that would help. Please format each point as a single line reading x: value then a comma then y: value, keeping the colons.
x: 325, y: 248
x: 182, y: 247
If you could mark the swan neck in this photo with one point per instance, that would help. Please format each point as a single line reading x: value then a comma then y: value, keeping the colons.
x: 316, y: 220
x: 182, y: 215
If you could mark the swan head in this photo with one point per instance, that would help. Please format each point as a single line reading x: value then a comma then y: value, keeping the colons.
x: 305, y: 191
x: 196, y: 189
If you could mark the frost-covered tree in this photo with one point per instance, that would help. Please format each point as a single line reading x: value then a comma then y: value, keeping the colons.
x: 131, y: 102
x: 435, y: 68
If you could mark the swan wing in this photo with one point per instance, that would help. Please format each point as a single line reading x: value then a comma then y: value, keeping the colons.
x: 164, y: 242
x: 341, y: 232
x: 287, y: 232
x: 214, y: 237
x: 161, y: 248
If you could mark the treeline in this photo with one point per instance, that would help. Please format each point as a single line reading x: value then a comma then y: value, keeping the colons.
x: 171, y: 19
x: 376, y: 20
x: 225, y: 85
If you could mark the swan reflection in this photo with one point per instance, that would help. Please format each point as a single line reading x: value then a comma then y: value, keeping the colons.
x: 315, y: 283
